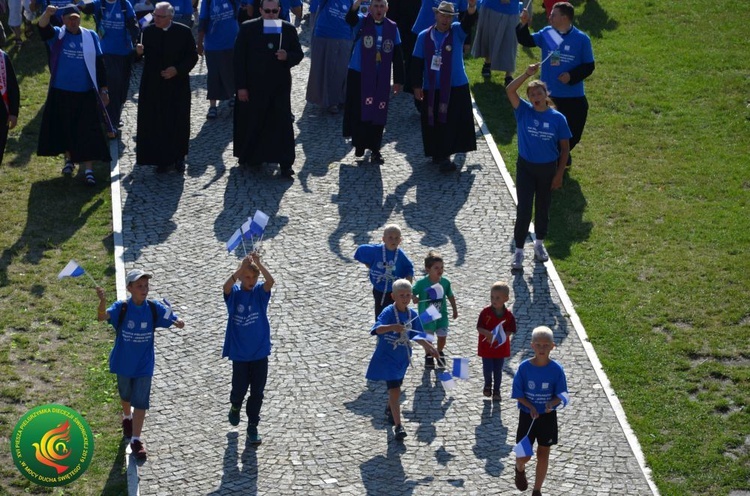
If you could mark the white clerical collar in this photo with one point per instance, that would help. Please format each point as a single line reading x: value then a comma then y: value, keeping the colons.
x: 167, y: 28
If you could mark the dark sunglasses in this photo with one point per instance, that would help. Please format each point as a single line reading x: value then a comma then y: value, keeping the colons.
x: 271, y: 11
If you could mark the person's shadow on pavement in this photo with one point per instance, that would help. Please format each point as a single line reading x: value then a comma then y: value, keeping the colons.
x: 491, y: 439
x: 385, y: 474
x: 360, y: 205
x: 234, y: 481
x: 428, y: 406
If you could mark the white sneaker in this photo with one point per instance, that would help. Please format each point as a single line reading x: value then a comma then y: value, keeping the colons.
x: 517, y: 263
x: 540, y: 253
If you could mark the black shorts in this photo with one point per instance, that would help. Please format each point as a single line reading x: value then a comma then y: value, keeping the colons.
x: 544, y: 430
x: 394, y: 384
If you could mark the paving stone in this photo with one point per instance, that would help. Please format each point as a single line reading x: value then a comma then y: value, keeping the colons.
x: 322, y: 421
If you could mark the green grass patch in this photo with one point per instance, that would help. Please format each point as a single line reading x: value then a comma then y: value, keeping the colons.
x: 52, y: 350
x: 651, y: 230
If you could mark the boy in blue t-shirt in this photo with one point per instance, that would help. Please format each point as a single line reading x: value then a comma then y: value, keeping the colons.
x: 395, y: 327
x: 386, y: 263
x: 539, y: 386
x: 132, y: 356
x: 247, y: 342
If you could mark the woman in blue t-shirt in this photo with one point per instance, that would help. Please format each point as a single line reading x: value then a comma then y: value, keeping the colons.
x: 543, y: 149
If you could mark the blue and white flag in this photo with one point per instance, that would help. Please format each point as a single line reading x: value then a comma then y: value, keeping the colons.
x: 169, y: 315
x: 446, y: 380
x: 498, y: 336
x: 260, y: 220
x: 461, y: 368
x: 421, y: 336
x: 145, y: 20
x: 552, y: 39
x: 234, y: 241
x: 71, y: 270
x: 435, y: 292
x: 524, y: 448
x: 564, y: 400
x: 431, y: 314
x: 271, y: 26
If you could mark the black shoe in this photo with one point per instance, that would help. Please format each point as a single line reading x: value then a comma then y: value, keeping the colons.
x: 486, y: 70
x: 179, y: 166
x: 377, y: 158
x: 162, y: 169
x: 400, y: 432
x: 447, y: 166
x: 234, y: 415
x: 508, y: 80
x: 359, y: 152
x: 520, y: 480
x: 286, y: 172
x: 252, y: 435
x: 429, y: 362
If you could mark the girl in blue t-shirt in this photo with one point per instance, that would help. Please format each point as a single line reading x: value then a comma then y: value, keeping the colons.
x: 543, y: 149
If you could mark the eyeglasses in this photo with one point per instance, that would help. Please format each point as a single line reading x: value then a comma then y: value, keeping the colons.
x: 271, y: 11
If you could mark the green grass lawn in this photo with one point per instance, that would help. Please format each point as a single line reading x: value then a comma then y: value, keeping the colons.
x: 650, y: 235
x: 652, y: 230
x: 52, y: 350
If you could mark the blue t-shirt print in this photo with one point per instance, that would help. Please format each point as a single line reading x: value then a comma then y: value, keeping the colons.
x: 248, y: 334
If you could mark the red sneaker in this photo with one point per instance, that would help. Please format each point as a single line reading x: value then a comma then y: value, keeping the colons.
x: 139, y: 451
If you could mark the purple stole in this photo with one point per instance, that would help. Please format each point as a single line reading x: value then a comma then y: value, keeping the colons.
x: 4, y: 82
x: 376, y: 69
x: 446, y: 68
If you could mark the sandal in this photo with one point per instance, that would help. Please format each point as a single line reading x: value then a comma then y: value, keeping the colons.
x: 68, y: 168
x: 213, y: 113
x: 89, y: 177
x: 486, y: 70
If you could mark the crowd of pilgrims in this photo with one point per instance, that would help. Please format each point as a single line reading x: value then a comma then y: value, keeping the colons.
x: 361, y: 54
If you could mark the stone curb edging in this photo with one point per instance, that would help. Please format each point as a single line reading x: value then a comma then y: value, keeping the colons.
x: 614, y: 401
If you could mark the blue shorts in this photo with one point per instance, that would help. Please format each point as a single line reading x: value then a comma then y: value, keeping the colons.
x: 441, y: 332
x: 135, y: 390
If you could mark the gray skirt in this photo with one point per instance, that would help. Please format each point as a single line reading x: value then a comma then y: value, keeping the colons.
x: 329, y: 62
x: 220, y: 78
x: 496, y: 39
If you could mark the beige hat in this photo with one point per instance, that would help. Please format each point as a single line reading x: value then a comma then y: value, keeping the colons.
x: 136, y: 274
x: 446, y: 8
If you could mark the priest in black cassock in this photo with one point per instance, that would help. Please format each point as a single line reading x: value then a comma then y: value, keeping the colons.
x: 164, y: 102
x: 265, y: 51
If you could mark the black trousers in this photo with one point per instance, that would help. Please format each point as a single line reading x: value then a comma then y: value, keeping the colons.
x: 118, y: 81
x: 252, y: 375
x: 575, y: 110
x: 533, y: 188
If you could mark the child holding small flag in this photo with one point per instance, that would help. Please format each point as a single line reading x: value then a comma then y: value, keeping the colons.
x: 426, y: 293
x: 132, y: 357
x: 539, y: 386
x: 495, y: 324
x: 247, y: 342
x: 386, y: 263
x: 397, y: 327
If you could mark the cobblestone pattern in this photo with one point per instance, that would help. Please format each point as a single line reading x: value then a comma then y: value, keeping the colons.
x: 322, y: 423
